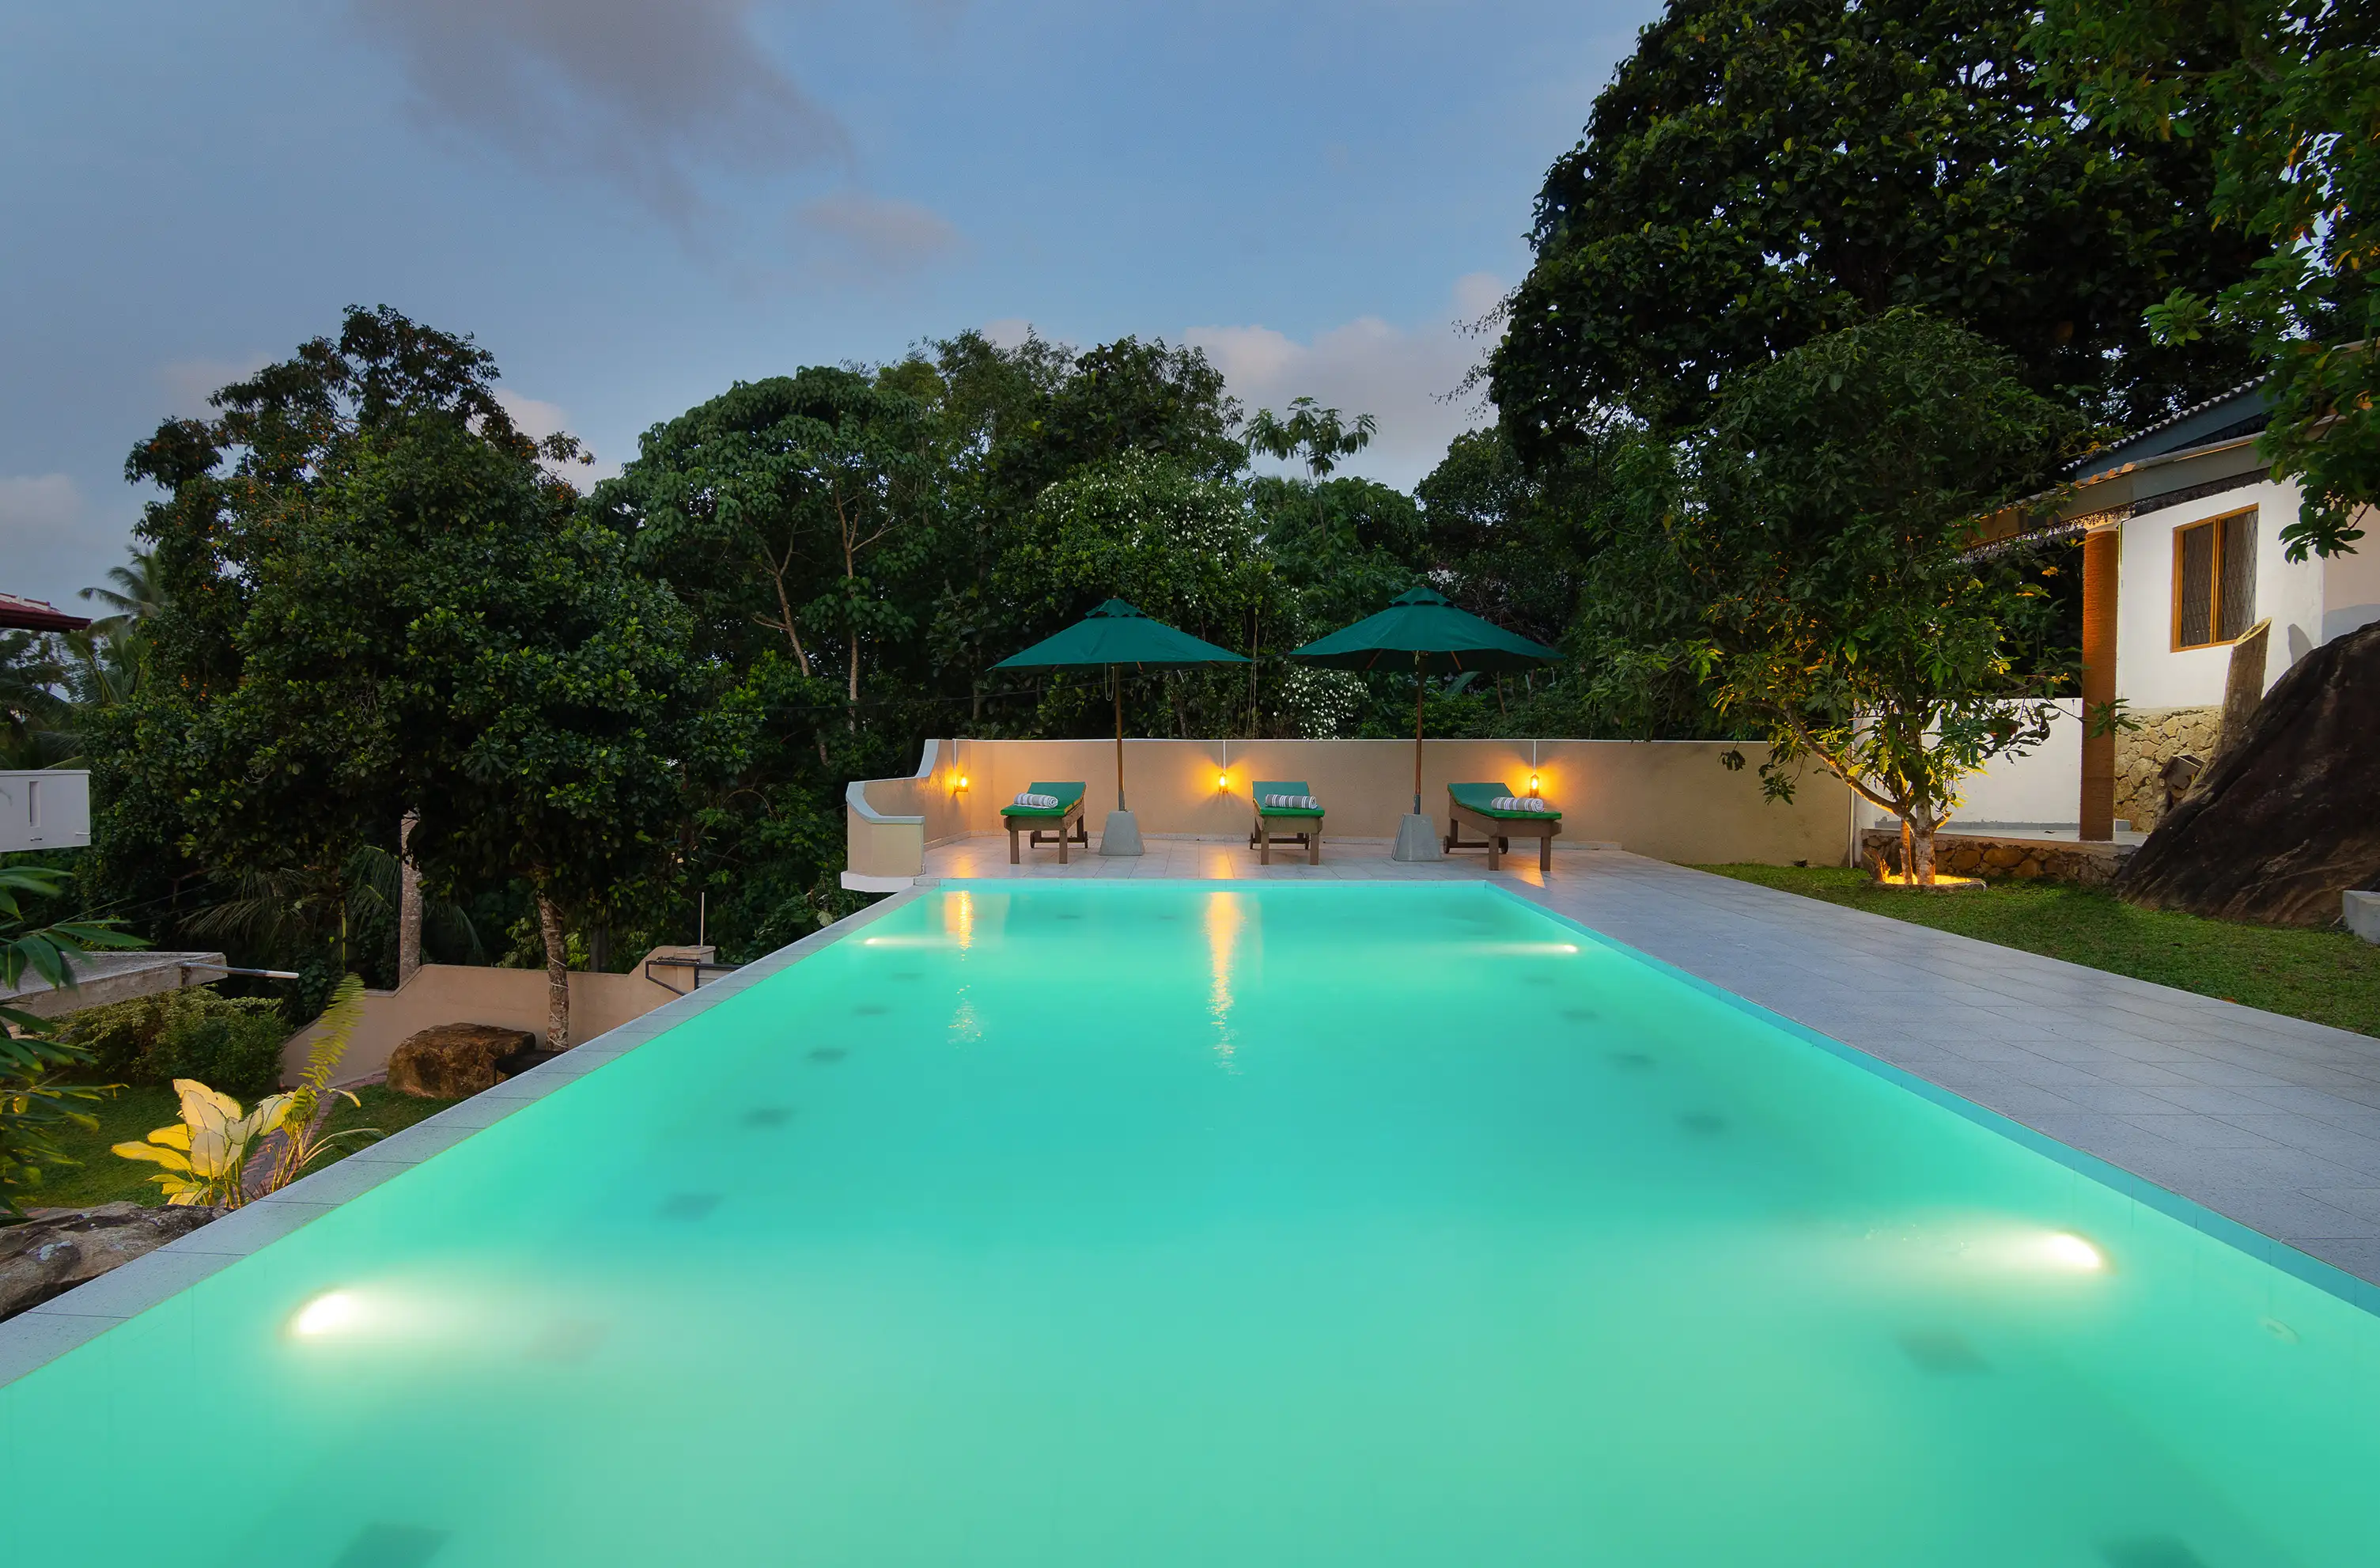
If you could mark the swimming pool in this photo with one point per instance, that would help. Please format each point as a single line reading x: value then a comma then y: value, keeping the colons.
x: 1103, y: 1224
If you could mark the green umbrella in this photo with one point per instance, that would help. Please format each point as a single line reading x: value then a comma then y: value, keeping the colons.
x: 1440, y: 640
x: 1111, y: 636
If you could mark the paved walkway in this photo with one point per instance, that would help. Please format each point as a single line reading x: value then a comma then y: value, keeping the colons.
x: 2266, y: 1120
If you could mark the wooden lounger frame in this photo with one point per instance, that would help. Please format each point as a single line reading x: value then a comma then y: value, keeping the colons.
x: 1261, y: 838
x: 1497, y: 834
x: 1041, y: 834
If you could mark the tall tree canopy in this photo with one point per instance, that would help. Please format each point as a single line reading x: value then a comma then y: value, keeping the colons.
x: 2283, y: 97
x: 1820, y: 536
x: 378, y: 600
x: 1763, y: 172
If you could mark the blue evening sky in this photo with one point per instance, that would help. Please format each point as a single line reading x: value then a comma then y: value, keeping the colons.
x: 634, y: 202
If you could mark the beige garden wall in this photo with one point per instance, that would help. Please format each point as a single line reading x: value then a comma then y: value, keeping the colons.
x: 460, y: 993
x: 1669, y: 800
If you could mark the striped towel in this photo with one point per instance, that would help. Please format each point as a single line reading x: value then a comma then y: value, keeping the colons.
x: 1044, y: 801
x: 1292, y: 802
x: 1518, y: 803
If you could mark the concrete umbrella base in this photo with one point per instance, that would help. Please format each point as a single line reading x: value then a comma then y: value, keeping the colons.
x: 1417, y: 840
x: 1120, y: 836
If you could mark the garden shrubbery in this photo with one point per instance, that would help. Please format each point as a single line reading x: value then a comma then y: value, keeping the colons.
x: 228, y: 1043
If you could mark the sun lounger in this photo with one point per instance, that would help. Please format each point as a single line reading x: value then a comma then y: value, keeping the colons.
x: 1036, y: 822
x: 1285, y: 824
x: 1475, y: 805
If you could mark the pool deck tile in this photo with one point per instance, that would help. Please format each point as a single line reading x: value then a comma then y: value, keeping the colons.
x: 2269, y: 1122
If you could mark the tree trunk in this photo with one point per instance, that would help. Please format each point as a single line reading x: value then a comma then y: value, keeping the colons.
x: 408, y: 902
x: 1921, y: 844
x: 557, y: 975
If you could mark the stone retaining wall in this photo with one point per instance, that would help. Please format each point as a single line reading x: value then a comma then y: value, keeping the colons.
x: 2142, y: 754
x: 1997, y: 858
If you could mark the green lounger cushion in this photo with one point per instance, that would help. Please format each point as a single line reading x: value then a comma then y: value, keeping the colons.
x: 1476, y: 796
x: 1263, y: 788
x: 1069, y: 797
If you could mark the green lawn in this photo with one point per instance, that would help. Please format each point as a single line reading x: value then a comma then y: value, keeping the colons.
x: 2329, y: 977
x: 129, y: 1116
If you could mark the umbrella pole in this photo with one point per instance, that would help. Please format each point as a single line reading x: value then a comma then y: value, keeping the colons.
x: 1417, y: 686
x: 1115, y: 678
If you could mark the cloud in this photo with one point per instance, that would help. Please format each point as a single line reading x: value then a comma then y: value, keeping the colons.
x: 51, y: 545
x: 1408, y: 378
x: 653, y: 95
x: 190, y: 383
x: 1008, y: 332
x: 873, y: 236
x: 537, y: 420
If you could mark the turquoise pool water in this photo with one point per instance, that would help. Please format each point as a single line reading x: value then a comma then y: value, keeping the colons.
x: 1169, y: 1224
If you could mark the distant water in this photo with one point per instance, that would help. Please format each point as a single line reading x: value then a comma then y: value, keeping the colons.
x: 1159, y: 1224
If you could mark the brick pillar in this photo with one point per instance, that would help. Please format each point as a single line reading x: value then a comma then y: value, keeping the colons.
x: 2100, y: 549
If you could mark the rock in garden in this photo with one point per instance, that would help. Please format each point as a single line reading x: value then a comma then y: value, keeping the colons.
x: 2283, y: 823
x: 455, y: 1060
x: 49, y: 1256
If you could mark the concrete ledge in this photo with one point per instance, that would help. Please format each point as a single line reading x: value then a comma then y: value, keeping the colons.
x: 2361, y: 913
x: 102, y: 977
x: 34, y: 1338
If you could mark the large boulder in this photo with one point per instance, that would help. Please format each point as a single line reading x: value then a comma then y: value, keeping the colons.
x: 52, y: 1253
x: 455, y: 1060
x: 2284, y: 820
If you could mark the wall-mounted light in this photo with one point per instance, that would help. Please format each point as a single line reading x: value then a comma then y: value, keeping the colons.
x: 1223, y: 784
x: 1533, y: 784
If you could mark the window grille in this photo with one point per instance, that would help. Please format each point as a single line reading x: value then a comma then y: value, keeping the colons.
x: 2214, y: 580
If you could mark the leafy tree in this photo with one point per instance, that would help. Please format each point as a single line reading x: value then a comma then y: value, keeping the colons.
x: 1017, y: 421
x: 1763, y: 172
x: 1509, y: 536
x: 274, y: 731
x: 137, y: 595
x: 992, y: 405
x: 763, y: 505
x: 32, y: 713
x: 565, y: 723
x: 1820, y: 536
x: 36, y: 1091
x: 1339, y: 549
x: 1183, y: 548
x: 1134, y: 396
x: 377, y: 598
x: 1321, y: 433
x: 2283, y: 97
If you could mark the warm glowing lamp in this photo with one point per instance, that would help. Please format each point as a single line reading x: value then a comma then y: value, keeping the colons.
x: 1533, y: 784
x: 1223, y: 783
x: 963, y: 780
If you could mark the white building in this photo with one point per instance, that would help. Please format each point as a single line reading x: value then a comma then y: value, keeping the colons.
x: 2182, y: 526
x: 48, y: 810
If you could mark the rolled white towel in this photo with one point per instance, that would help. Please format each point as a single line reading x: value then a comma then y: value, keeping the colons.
x: 1043, y: 801
x: 1292, y: 802
x: 1518, y: 803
